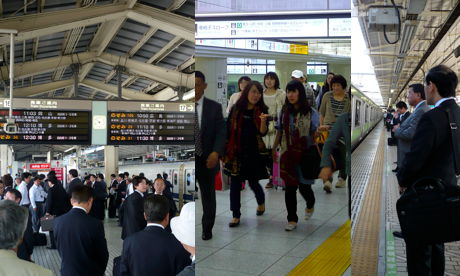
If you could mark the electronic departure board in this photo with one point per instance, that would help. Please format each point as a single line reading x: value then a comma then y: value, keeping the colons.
x: 150, y: 123
x: 47, y: 121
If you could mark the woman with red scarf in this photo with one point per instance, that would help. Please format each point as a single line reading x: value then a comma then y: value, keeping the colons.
x: 244, y: 158
x: 298, y: 121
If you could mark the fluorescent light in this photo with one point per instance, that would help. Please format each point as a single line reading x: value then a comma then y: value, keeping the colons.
x: 392, y: 90
x: 189, y: 95
x: 69, y: 149
x: 226, y: 14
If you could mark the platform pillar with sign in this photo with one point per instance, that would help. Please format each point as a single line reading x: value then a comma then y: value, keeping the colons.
x: 111, y: 161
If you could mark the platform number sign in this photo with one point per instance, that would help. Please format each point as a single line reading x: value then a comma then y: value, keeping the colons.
x: 6, y: 103
x: 183, y: 108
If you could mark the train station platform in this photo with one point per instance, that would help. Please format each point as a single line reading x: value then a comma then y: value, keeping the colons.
x: 374, y: 194
x: 261, y: 246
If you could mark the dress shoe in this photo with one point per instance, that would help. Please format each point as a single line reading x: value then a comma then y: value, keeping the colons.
x: 398, y: 234
x: 269, y: 185
x: 234, y: 223
x: 327, y: 186
x: 51, y: 248
x: 395, y: 170
x: 260, y: 210
x: 206, y: 236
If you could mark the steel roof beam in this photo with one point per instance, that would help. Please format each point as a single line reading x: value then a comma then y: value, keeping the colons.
x: 36, y: 25
x: 149, y: 71
x: 30, y: 68
x: 169, y: 22
x: 128, y: 94
x: 41, y: 88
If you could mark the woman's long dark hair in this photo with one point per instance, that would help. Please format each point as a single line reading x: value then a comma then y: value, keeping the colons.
x: 242, y: 103
x: 326, y: 85
x: 304, y: 107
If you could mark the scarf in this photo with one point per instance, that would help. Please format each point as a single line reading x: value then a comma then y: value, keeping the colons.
x: 233, y: 147
x: 293, y: 144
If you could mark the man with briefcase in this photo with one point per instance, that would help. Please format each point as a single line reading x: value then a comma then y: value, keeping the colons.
x: 429, y: 208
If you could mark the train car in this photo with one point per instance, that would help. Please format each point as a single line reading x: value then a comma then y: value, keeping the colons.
x: 364, y: 117
x: 180, y: 174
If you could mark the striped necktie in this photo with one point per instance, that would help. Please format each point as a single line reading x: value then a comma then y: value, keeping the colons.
x: 198, y: 146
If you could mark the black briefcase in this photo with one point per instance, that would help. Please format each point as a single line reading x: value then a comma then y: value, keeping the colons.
x: 429, y: 212
x: 47, y: 223
x: 39, y: 239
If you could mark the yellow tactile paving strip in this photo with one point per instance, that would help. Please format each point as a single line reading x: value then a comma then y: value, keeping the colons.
x: 365, y: 240
x: 331, y: 258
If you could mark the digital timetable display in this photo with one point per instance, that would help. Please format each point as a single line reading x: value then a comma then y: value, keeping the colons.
x: 150, y: 123
x: 48, y: 126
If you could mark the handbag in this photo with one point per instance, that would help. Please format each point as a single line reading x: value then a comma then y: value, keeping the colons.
x: 47, y: 223
x: 320, y: 136
x: 429, y: 211
x: 311, y: 160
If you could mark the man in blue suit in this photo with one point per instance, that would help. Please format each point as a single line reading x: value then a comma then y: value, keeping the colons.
x: 80, y: 238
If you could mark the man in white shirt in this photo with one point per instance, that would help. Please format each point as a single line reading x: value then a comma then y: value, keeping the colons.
x: 26, y: 178
x: 37, y: 200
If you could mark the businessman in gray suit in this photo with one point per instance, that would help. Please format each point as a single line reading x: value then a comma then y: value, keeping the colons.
x: 405, y: 132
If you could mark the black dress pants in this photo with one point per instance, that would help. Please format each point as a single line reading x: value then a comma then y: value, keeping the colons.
x: 425, y: 259
x: 290, y: 197
x: 235, y: 194
x: 206, y: 179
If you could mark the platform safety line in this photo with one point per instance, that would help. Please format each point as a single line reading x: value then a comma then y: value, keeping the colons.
x: 391, y: 266
x: 332, y: 257
x: 365, y: 240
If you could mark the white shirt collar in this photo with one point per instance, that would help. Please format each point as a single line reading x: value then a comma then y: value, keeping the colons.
x: 443, y: 100
x: 158, y: 193
x: 139, y: 193
x: 420, y: 103
x: 200, y: 101
x: 78, y: 207
x: 155, y: 224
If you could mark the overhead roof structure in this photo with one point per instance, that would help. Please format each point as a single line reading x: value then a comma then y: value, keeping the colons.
x: 428, y: 37
x: 150, y: 41
x: 26, y: 152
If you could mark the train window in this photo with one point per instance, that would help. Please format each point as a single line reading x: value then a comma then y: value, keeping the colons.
x: 175, y: 178
x: 357, y: 113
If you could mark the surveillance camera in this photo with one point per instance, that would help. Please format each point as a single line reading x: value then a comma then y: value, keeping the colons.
x: 10, y: 127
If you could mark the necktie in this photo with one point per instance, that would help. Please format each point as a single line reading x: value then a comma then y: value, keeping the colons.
x: 198, y: 146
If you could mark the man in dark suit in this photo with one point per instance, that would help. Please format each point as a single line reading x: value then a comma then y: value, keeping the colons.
x: 154, y: 251
x: 26, y: 247
x: 100, y: 194
x: 209, y: 145
x: 120, y: 191
x: 431, y: 155
x: 401, y: 108
x: 159, y: 186
x: 80, y: 238
x: 57, y: 203
x: 133, y: 209
x: 112, y: 193
x: 74, y: 181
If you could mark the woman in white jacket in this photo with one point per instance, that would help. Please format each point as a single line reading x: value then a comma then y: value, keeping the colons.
x: 274, y: 98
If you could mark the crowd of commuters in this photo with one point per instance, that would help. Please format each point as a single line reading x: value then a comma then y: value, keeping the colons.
x: 78, y: 212
x: 267, y: 126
